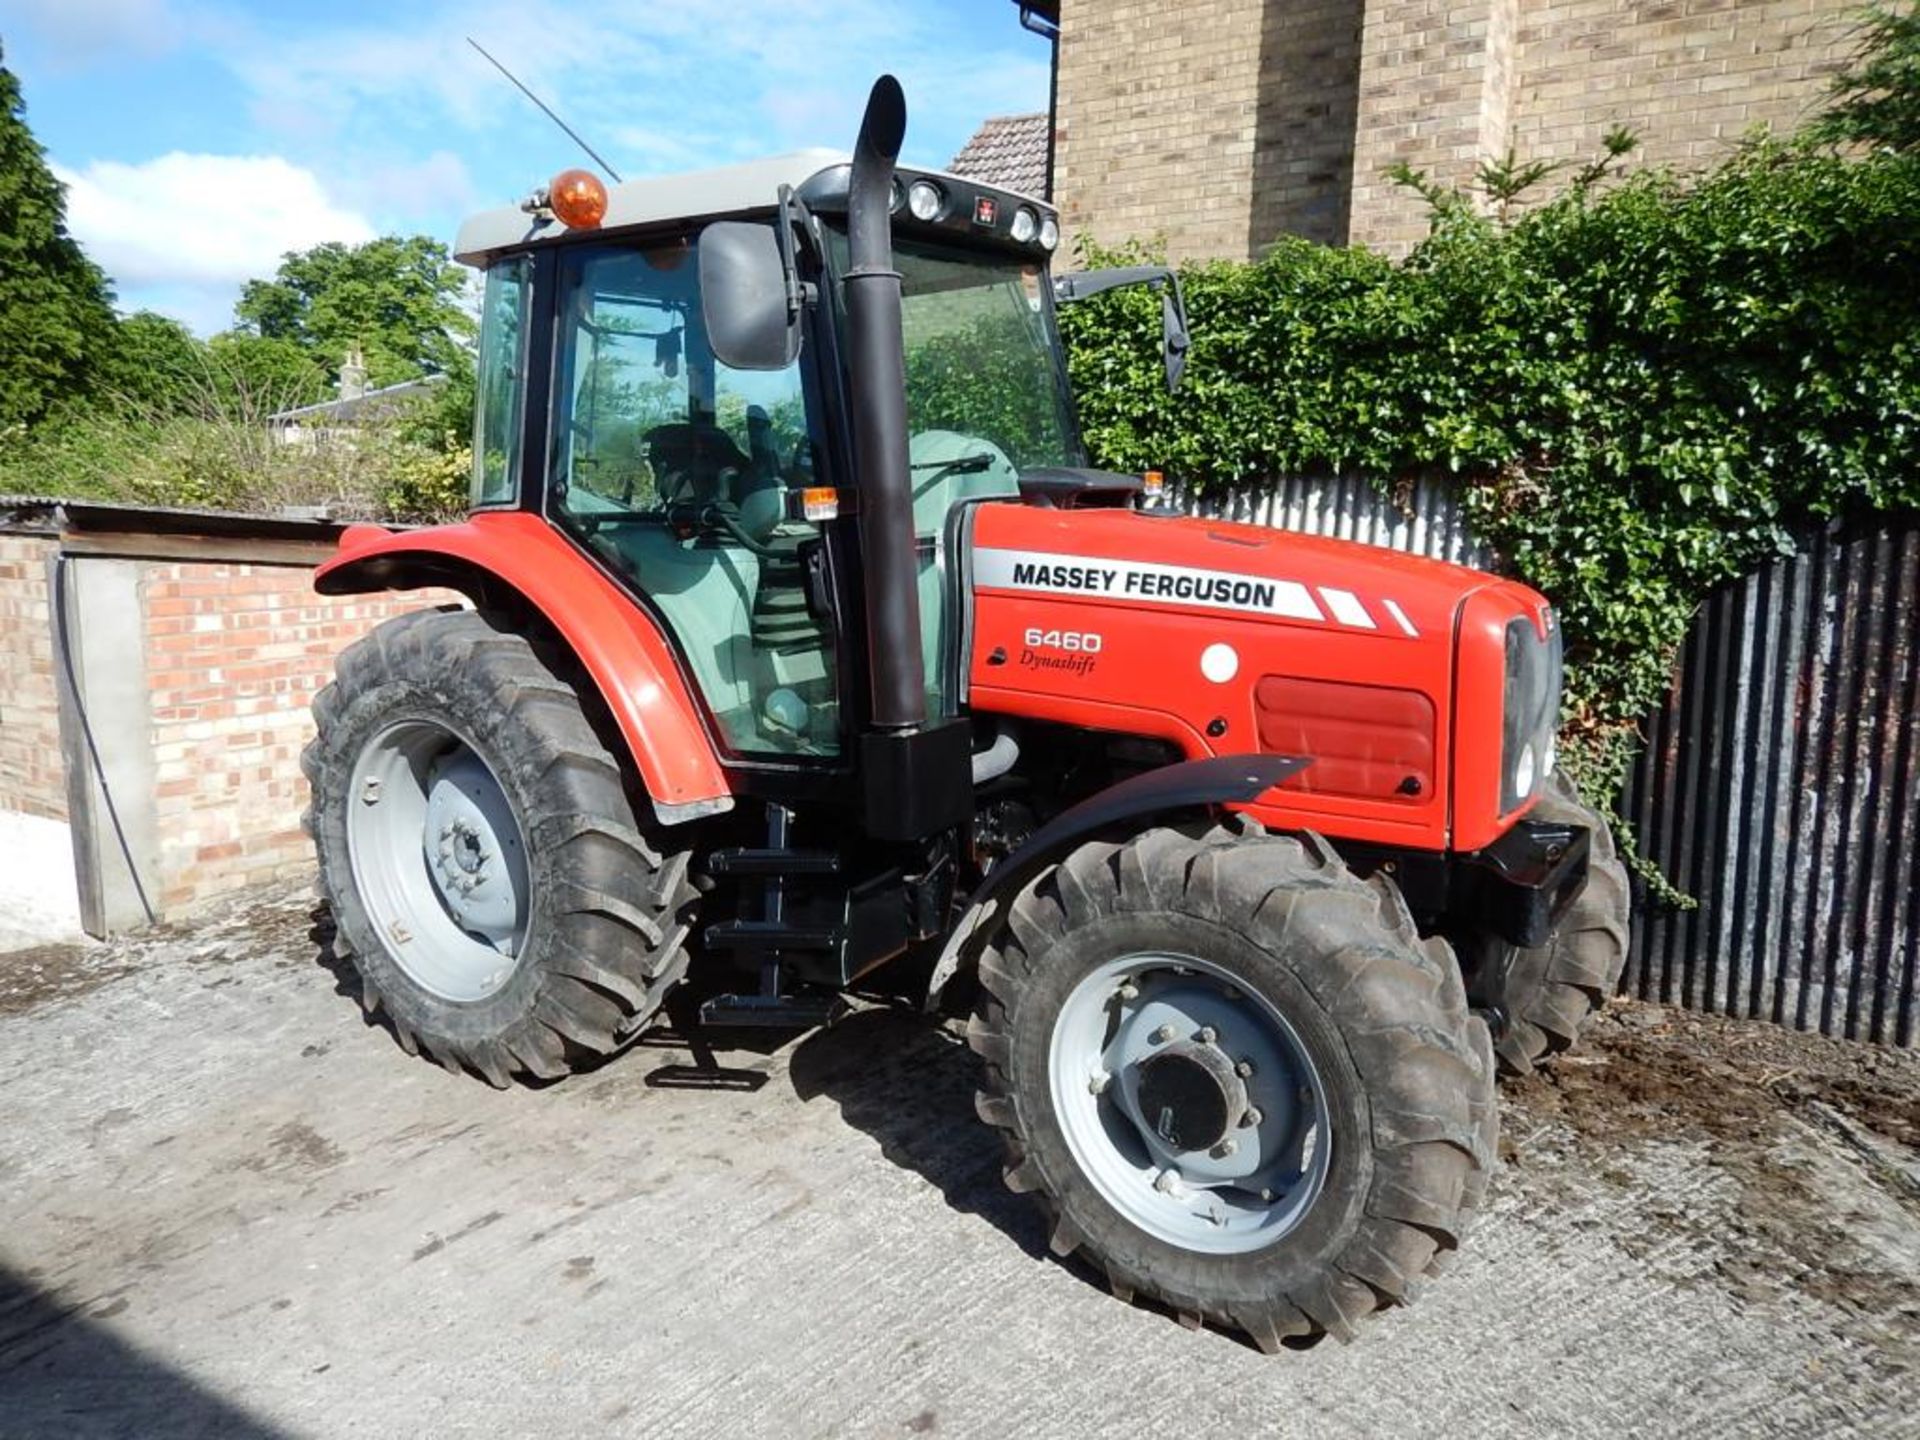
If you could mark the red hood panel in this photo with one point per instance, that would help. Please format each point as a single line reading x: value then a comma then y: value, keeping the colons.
x: 1169, y: 627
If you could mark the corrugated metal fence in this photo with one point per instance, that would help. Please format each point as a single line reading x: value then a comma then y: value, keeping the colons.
x: 1781, y: 782
x: 1781, y: 787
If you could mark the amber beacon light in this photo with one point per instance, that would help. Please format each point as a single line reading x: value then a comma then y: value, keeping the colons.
x: 578, y: 199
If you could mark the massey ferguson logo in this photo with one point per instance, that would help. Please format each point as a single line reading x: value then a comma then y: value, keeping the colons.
x: 1180, y: 585
x: 1196, y: 586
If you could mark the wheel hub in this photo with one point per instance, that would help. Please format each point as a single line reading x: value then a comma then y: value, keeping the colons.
x: 468, y: 833
x: 1189, y: 1102
x: 1189, y: 1095
x: 438, y: 859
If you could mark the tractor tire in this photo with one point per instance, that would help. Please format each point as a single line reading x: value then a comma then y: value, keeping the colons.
x: 481, y: 851
x: 1135, y: 983
x: 1553, y: 989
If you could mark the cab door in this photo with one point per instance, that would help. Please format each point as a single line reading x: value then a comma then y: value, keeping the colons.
x: 675, y: 471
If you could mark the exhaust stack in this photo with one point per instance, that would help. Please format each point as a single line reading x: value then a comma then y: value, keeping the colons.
x: 877, y: 371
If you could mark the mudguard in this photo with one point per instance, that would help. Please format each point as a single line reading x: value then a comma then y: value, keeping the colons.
x: 1171, y: 790
x: 616, y: 642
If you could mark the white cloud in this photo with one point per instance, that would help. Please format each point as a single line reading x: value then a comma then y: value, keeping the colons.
x: 205, y: 220
x: 181, y: 233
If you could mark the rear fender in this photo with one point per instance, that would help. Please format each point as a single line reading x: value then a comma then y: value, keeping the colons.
x: 617, y: 643
x: 1161, y: 794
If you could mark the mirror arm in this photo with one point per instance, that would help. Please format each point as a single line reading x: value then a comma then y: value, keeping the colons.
x: 794, y: 217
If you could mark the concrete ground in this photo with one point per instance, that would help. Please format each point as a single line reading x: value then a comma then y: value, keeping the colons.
x: 231, y: 1208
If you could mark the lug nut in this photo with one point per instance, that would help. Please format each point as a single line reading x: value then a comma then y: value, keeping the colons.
x: 1167, y: 1183
x: 1127, y: 991
x: 1244, y: 1069
x: 1251, y: 1118
x: 1208, y: 1035
x: 1267, y: 1196
x: 1097, y: 1082
x: 1162, y: 1035
x: 1224, y: 1149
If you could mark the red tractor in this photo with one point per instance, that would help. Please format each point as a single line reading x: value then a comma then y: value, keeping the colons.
x: 803, y: 642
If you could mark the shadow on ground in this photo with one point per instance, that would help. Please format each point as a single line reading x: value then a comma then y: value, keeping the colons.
x: 65, y: 1374
x: 908, y: 1081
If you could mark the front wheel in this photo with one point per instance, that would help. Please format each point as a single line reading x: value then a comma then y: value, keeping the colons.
x: 480, y: 850
x: 1236, y: 1077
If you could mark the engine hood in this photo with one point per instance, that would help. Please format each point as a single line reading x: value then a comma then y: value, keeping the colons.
x: 1386, y: 671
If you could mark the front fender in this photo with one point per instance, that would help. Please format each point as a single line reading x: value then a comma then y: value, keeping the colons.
x: 617, y: 643
x: 1171, y: 790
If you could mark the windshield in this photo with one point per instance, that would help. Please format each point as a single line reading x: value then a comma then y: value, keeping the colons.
x: 986, y: 396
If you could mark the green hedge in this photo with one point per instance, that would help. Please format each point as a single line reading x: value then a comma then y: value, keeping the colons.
x: 1640, y: 393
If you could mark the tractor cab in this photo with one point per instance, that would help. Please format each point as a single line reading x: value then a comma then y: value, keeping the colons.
x: 720, y: 487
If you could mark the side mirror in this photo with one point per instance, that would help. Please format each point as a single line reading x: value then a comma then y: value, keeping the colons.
x: 1174, y: 340
x: 747, y: 296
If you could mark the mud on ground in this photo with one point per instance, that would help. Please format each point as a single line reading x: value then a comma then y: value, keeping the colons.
x: 1781, y: 1115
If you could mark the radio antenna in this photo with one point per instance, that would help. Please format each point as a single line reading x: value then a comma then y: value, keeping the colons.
x: 547, y: 110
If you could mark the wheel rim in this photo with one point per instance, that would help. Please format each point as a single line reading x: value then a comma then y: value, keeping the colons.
x: 1189, y: 1102
x: 438, y: 860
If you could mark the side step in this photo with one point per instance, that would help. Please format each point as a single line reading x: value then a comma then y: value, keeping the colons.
x: 773, y: 862
x: 763, y: 935
x: 773, y: 1012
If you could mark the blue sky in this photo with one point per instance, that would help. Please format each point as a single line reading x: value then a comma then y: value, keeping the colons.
x: 201, y: 140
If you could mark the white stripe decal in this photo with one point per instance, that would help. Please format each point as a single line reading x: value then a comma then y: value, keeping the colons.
x: 1394, y: 610
x: 1347, y: 608
x: 1143, y: 580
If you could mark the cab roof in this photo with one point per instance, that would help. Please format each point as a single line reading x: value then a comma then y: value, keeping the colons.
x: 727, y: 190
x: 695, y: 195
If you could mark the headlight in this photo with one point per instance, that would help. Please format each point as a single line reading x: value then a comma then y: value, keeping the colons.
x: 1025, y: 223
x: 1530, y: 713
x: 1049, y: 234
x: 924, y: 199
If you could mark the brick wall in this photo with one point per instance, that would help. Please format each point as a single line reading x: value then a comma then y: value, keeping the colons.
x: 1158, y: 121
x: 235, y: 653
x: 31, y: 778
x: 1689, y: 75
x: 1220, y: 123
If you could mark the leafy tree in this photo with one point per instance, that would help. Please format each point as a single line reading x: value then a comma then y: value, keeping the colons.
x: 55, y: 306
x: 154, y: 365
x: 397, y: 298
x: 1877, y: 98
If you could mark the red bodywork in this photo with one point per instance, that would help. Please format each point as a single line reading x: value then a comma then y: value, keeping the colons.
x: 1367, y: 660
x: 1327, y: 648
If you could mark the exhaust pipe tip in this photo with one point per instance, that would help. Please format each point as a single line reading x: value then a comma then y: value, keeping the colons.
x: 884, y: 126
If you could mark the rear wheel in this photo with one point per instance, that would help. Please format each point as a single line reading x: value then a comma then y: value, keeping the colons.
x: 481, y: 854
x: 1552, y: 990
x: 1236, y: 1078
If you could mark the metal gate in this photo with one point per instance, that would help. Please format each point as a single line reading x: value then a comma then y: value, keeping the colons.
x: 1781, y: 787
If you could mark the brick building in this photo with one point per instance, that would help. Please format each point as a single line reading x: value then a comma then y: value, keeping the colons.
x: 1221, y: 124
